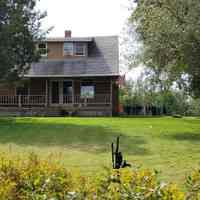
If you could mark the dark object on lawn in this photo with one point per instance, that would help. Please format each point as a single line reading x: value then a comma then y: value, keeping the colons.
x: 117, y: 157
x: 177, y: 116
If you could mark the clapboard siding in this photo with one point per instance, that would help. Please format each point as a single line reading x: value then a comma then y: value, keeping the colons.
x: 37, y: 87
x: 7, y: 90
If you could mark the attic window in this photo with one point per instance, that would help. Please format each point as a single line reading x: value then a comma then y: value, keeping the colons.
x: 79, y: 49
x: 42, y: 47
x: 68, y: 49
x: 74, y: 49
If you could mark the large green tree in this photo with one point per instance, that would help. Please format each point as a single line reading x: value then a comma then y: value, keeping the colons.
x: 20, y: 27
x: 170, y: 34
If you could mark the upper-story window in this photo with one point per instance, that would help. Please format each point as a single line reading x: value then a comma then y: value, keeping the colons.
x: 42, y: 47
x: 80, y: 49
x: 74, y: 49
x: 68, y: 48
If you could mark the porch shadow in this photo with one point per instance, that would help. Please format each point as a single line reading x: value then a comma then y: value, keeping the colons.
x: 89, y: 138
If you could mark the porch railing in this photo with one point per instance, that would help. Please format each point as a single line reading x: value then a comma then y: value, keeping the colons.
x: 33, y: 100
x: 41, y: 100
x: 9, y: 100
x: 78, y: 99
x: 23, y: 100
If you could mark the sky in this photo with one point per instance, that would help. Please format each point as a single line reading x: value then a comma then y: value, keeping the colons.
x: 87, y: 18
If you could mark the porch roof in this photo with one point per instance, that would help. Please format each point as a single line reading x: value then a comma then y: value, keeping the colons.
x: 102, y: 60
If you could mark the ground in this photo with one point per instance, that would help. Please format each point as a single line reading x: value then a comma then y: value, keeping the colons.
x: 169, y: 145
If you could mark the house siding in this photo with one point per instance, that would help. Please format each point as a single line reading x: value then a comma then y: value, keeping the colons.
x: 7, y: 91
x: 55, y: 50
x: 37, y: 86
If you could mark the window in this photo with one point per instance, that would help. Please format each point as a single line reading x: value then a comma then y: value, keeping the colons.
x: 87, y: 90
x: 22, y: 91
x: 79, y: 49
x: 68, y: 48
x: 67, y: 88
x: 42, y: 49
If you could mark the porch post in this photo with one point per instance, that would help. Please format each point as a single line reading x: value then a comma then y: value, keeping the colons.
x: 111, y: 95
x: 61, y: 92
x: 46, y: 93
x: 73, y: 96
x: 20, y: 101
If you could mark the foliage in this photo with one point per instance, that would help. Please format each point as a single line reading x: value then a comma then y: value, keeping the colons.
x: 194, y: 108
x: 20, y: 27
x: 142, y: 93
x: 193, y: 185
x: 36, y: 179
x: 169, y: 31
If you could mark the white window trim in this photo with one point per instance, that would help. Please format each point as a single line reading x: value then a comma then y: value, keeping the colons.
x: 64, y: 54
x: 73, y: 50
x: 84, y: 51
x: 82, y: 97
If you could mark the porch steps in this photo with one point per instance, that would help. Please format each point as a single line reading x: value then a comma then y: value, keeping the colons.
x: 28, y: 112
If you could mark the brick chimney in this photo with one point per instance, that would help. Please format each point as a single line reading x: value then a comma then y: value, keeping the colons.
x: 68, y: 33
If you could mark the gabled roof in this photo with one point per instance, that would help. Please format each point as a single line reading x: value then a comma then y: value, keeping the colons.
x: 102, y: 60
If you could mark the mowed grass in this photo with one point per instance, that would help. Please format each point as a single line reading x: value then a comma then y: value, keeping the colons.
x: 169, y: 145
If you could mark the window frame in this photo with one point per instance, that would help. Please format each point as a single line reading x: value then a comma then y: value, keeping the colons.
x: 25, y: 90
x: 87, y: 84
x: 46, y: 49
x: 84, y: 49
x: 66, y: 54
x: 73, y: 49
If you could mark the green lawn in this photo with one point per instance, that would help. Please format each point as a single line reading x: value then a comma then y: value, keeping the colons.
x: 169, y: 145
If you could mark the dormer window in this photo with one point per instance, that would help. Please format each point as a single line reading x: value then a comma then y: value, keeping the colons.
x: 42, y: 47
x: 68, y: 49
x: 74, y: 49
x: 80, y: 49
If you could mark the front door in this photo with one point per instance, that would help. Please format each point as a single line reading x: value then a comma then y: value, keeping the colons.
x: 67, y: 92
x: 55, y: 99
x: 61, y: 92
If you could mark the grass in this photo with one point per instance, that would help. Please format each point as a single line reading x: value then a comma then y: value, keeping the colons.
x: 169, y: 145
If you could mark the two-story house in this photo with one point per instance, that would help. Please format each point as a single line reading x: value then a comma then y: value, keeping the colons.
x: 76, y: 75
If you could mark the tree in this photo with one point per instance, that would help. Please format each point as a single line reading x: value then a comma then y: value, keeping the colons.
x: 20, y: 27
x: 194, y: 108
x: 140, y: 97
x: 170, y: 34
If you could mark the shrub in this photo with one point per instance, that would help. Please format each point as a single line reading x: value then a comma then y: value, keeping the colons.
x: 36, y: 179
x: 193, y: 183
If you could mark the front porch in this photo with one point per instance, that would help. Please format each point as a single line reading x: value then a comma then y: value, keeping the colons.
x: 70, y: 95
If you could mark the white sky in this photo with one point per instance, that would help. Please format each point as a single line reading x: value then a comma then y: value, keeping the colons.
x: 85, y: 17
